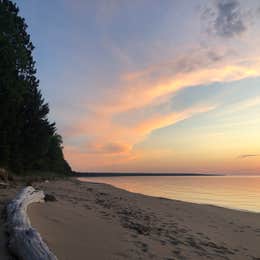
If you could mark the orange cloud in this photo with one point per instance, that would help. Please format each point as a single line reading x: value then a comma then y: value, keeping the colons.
x: 156, y: 122
x: 112, y: 142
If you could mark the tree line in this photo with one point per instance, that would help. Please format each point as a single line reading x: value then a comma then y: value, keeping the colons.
x: 28, y: 141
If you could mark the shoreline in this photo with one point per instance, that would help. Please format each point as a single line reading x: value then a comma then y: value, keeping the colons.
x: 91, y: 179
x: 135, y: 174
x: 101, y: 221
x: 179, y: 200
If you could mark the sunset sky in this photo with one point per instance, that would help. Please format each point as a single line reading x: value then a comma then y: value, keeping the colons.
x: 151, y: 86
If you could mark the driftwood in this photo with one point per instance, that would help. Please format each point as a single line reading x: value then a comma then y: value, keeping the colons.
x: 3, y: 185
x: 25, y: 242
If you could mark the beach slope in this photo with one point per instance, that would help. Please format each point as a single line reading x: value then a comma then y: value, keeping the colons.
x: 98, y: 221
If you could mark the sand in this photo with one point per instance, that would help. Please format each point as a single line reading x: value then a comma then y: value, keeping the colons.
x: 98, y: 221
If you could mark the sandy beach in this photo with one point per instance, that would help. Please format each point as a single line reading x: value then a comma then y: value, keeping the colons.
x: 129, y: 130
x: 98, y: 221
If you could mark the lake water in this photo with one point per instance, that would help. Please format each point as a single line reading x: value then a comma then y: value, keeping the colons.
x: 235, y: 192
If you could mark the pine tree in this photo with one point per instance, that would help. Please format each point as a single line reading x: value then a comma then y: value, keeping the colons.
x: 27, y: 138
x: 15, y: 48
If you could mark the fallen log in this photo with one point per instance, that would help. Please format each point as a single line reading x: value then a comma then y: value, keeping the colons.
x: 24, y: 241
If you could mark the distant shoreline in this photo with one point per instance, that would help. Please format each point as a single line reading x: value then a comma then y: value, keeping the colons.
x: 113, y: 174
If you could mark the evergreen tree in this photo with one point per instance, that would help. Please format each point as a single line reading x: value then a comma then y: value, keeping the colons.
x: 27, y: 140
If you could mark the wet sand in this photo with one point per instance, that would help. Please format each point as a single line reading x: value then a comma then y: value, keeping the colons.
x: 98, y: 221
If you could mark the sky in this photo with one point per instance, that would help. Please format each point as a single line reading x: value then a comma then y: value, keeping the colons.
x: 151, y: 86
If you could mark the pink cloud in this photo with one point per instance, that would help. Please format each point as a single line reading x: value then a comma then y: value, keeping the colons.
x: 111, y: 142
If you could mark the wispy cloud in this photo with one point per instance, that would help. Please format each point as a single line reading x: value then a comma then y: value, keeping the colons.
x: 245, y: 156
x: 229, y: 21
x: 139, y: 91
x: 225, y: 18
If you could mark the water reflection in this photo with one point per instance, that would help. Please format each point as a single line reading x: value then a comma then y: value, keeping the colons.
x: 230, y: 191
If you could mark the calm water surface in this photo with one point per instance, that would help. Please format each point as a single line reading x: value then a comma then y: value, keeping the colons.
x: 241, y: 193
